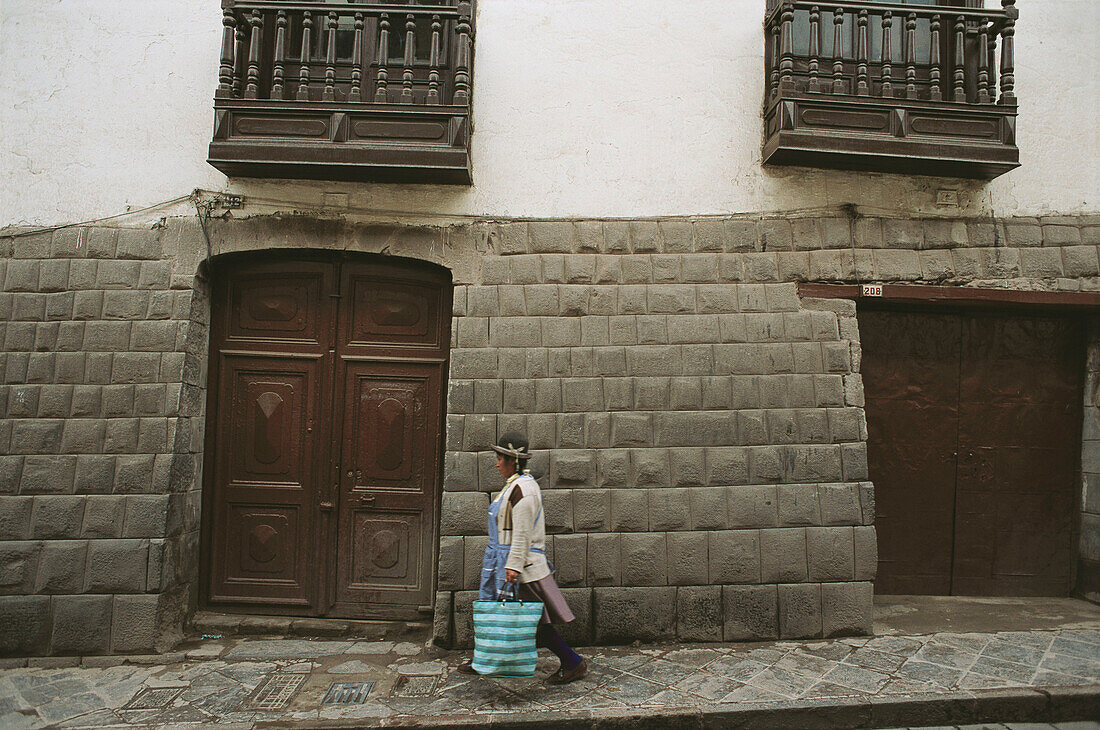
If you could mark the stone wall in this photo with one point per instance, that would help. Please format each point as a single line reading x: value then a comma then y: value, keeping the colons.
x: 699, y: 428
x: 100, y: 427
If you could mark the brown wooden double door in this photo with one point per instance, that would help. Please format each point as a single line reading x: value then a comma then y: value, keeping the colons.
x: 323, y: 454
x: 973, y: 446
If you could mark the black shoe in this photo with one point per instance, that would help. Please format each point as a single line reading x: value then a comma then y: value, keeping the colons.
x: 466, y: 668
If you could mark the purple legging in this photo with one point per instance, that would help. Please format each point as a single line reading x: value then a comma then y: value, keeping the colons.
x: 552, y: 640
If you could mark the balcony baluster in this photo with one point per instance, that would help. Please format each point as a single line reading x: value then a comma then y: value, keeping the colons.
x: 1008, y: 60
x: 838, y: 50
x: 433, y: 63
x: 983, y: 61
x: 935, y: 91
x: 329, y: 94
x: 307, y: 51
x: 225, y: 70
x: 959, y: 93
x: 280, y: 54
x: 410, y: 58
x: 381, y: 96
x: 814, y: 50
x: 462, y: 60
x: 356, y: 93
x: 786, y: 53
x: 257, y: 22
x: 911, y: 56
x: 862, y: 86
x: 887, y: 89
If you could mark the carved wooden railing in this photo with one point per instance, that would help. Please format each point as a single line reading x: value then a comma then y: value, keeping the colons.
x: 910, y: 58
x: 393, y: 71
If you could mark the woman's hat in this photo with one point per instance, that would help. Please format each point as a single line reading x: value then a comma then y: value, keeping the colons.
x: 512, y: 444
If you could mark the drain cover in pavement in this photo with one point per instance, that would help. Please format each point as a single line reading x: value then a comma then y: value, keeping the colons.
x: 415, y: 685
x: 153, y: 698
x: 274, y: 692
x: 347, y: 693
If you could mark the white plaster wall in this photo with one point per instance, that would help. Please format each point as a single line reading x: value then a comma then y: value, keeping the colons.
x: 108, y: 107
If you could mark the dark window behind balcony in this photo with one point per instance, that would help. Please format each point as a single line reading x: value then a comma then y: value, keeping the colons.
x: 917, y: 87
x: 344, y: 90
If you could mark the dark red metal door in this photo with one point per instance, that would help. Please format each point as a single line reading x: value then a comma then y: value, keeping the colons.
x: 326, y: 407
x: 1019, y: 445
x: 910, y: 381
x: 973, y: 436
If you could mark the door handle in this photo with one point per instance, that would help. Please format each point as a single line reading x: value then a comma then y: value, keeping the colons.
x: 325, y: 505
x: 366, y: 499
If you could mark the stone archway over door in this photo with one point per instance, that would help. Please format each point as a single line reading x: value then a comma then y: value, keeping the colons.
x: 325, y: 416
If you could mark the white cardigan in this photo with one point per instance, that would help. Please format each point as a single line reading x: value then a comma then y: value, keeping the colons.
x: 523, y: 526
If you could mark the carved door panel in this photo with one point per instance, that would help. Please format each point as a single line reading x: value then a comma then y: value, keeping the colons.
x: 323, y: 464
x: 393, y: 342
x: 270, y: 335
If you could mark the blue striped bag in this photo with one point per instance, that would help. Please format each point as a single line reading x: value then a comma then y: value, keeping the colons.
x: 504, y: 637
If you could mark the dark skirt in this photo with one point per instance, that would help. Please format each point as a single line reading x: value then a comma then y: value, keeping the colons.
x: 555, y: 610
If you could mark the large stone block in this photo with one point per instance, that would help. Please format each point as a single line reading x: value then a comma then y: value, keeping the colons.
x: 832, y: 553
x: 464, y: 619
x: 798, y: 505
x: 57, y: 518
x: 839, y: 504
x: 134, y: 624
x: 866, y: 552
x: 734, y: 556
x: 628, y: 614
x: 578, y: 632
x: 464, y: 513
x: 629, y: 510
x: 443, y: 619
x: 688, y: 562
x: 18, y: 566
x: 699, y: 613
x: 644, y: 559
x: 117, y: 566
x: 708, y: 508
x: 604, y: 560
x: 591, y: 510
x: 669, y: 509
x: 727, y: 466
x: 688, y: 467
x: 570, y: 559
x: 452, y: 558
x: 15, y: 518
x: 752, y: 506
x: 783, y: 555
x: 749, y: 613
x: 800, y: 611
x: 81, y: 625
x: 61, y: 567
x: 846, y: 609
x: 26, y: 622
x: 473, y: 549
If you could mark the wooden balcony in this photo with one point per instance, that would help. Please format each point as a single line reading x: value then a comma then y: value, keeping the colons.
x: 344, y: 91
x: 891, y: 87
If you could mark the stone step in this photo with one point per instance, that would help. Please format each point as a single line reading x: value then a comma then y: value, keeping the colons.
x: 208, y: 625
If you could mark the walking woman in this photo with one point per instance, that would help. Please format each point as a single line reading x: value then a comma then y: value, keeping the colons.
x: 517, y: 554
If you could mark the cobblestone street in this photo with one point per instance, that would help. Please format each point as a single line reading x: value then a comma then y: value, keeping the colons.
x: 250, y: 681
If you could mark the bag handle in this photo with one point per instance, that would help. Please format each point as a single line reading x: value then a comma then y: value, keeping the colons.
x: 503, y: 593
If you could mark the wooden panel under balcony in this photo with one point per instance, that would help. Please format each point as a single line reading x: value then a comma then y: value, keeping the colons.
x: 891, y: 87
x: 344, y: 91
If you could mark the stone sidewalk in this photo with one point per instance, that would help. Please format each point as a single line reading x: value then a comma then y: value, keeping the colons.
x: 934, y: 679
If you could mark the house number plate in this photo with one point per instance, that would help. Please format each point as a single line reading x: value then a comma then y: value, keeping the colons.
x: 871, y: 290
